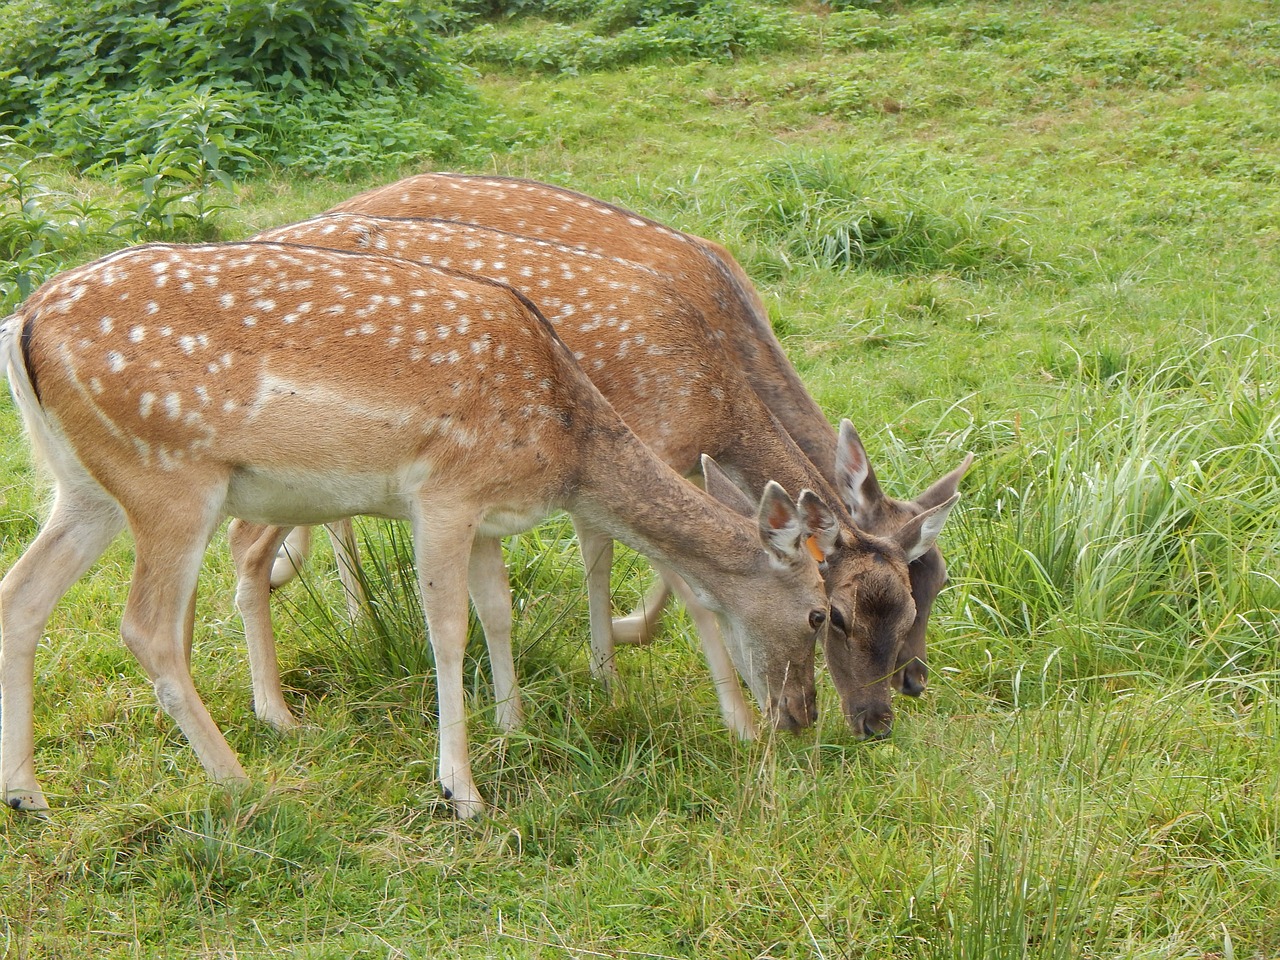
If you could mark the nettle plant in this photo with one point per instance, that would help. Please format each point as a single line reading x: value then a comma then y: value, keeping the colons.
x: 39, y: 226
x: 179, y: 173
x: 180, y: 94
x: 170, y: 188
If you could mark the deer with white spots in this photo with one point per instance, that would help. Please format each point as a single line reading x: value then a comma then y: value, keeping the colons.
x: 165, y: 387
x: 651, y: 353
x: 708, y: 276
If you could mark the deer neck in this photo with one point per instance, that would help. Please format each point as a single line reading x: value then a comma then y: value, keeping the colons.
x: 761, y: 449
x: 626, y: 491
x: 774, y: 379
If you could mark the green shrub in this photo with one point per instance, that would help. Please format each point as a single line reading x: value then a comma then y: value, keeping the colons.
x: 95, y: 81
x: 39, y: 226
x: 621, y: 34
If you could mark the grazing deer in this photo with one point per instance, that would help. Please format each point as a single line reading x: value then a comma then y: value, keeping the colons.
x: 654, y: 358
x: 710, y: 277
x: 165, y: 387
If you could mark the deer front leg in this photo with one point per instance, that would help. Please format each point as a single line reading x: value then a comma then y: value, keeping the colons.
x: 254, y: 549
x: 78, y: 530
x: 491, y: 597
x: 737, y: 713
x: 597, y: 556
x: 442, y: 548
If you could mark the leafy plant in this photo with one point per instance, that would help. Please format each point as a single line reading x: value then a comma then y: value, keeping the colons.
x: 175, y: 163
x: 39, y: 226
x: 94, y: 80
x: 627, y: 33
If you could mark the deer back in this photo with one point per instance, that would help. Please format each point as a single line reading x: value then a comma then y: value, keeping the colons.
x: 643, y: 345
x: 267, y: 365
x: 704, y: 271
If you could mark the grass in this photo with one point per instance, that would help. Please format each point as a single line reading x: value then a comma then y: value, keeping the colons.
x: 1044, y: 232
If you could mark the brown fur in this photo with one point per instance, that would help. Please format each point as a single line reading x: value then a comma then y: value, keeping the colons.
x: 288, y: 384
x: 649, y: 351
x: 713, y: 281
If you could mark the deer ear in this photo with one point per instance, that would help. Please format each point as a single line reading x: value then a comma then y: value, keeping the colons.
x: 782, y: 529
x: 945, y: 488
x: 918, y: 535
x: 719, y: 485
x: 822, y: 529
x: 855, y: 480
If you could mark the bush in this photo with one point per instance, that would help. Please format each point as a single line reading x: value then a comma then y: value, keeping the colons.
x: 625, y: 32
x: 93, y: 80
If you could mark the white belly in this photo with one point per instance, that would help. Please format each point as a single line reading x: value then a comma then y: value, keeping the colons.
x: 292, y: 497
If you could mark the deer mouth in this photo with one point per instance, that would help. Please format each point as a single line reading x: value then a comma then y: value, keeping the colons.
x: 870, y: 723
x: 792, y: 712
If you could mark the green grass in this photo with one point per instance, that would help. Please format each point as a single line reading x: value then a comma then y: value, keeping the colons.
x: 1044, y: 232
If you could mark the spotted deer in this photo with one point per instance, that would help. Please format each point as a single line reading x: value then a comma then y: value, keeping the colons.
x: 708, y: 275
x: 652, y: 355
x: 165, y: 387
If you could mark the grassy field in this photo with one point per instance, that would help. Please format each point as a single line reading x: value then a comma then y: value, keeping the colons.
x: 1047, y: 233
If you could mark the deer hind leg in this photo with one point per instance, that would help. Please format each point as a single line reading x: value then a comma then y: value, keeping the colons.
x: 597, y: 556
x: 442, y: 542
x: 491, y: 597
x: 170, y: 542
x: 343, y: 537
x: 254, y: 549
x: 737, y: 713
x: 640, y: 627
x: 290, y: 556
x: 79, y: 529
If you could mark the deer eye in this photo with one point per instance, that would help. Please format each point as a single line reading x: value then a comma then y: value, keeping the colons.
x: 816, y: 619
x: 838, y: 621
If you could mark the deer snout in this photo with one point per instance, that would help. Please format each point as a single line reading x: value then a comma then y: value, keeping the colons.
x: 794, y: 711
x: 872, y: 722
x: 913, y: 678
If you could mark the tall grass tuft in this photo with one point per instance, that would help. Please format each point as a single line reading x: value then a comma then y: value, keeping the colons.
x: 839, y: 213
x: 1128, y: 526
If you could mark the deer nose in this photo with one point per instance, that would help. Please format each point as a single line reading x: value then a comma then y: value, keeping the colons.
x: 873, y: 723
x: 791, y: 712
x: 915, y: 677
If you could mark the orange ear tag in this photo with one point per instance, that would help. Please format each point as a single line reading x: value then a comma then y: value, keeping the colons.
x: 814, y: 550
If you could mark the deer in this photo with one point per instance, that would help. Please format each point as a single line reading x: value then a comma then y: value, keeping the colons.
x: 165, y: 387
x: 709, y: 275
x: 654, y: 358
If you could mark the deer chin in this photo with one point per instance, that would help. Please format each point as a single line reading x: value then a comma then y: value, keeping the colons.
x: 869, y: 721
x: 912, y: 678
x: 786, y: 693
x: 792, y: 712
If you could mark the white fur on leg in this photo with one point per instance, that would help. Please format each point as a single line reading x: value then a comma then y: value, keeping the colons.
x: 597, y: 555
x: 81, y: 525
x: 640, y: 627
x: 491, y: 597
x: 291, y: 556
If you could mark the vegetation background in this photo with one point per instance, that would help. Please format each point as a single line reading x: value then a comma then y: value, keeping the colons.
x: 1043, y: 231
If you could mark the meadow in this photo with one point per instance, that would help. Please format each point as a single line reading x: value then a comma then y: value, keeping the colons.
x: 1047, y: 233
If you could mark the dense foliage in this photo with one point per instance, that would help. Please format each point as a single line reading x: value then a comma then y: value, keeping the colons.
x: 103, y: 82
